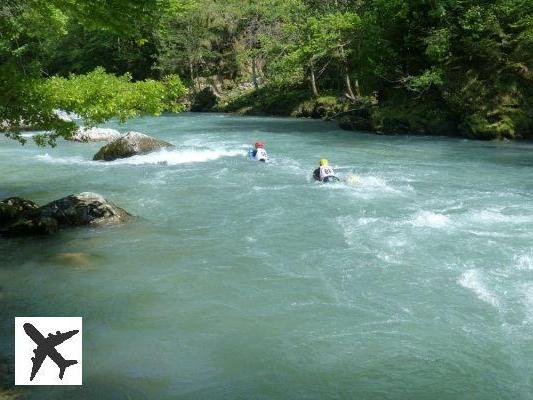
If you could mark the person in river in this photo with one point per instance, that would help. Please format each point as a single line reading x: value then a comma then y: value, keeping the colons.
x: 324, y: 173
x: 259, y: 153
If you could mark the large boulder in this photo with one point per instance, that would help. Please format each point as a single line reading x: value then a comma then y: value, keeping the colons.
x: 131, y: 144
x: 20, y: 217
x: 75, y: 210
x: 13, y: 208
x: 86, y: 208
x: 95, y: 135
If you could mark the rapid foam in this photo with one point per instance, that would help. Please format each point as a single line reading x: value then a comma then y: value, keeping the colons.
x: 494, y: 215
x: 428, y: 219
x: 174, y: 157
x: 524, y: 261
x: 60, y: 160
x: 162, y: 157
x: 473, y: 280
x: 374, y: 183
x: 527, y: 301
x: 364, y: 187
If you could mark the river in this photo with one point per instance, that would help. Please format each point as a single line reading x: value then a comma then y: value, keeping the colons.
x: 248, y: 280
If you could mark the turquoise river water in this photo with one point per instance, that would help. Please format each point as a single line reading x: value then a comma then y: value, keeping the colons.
x: 242, y: 280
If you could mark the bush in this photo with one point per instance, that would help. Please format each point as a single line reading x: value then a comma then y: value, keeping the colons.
x: 98, y: 96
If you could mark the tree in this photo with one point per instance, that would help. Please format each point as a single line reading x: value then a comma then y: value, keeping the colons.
x: 463, y: 64
x: 313, y: 41
x: 28, y: 29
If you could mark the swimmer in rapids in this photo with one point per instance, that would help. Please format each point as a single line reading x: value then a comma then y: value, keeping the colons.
x: 324, y: 173
x: 258, y: 153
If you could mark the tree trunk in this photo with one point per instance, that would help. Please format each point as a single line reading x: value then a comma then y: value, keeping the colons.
x: 349, y: 91
x: 312, y: 78
x: 191, y: 71
x: 357, y: 88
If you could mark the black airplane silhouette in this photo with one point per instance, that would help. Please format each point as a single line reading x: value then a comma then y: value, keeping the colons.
x: 46, y: 347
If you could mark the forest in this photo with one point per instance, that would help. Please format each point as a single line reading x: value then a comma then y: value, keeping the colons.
x: 444, y: 67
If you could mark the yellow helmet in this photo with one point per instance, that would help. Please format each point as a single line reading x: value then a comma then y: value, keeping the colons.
x: 323, y: 162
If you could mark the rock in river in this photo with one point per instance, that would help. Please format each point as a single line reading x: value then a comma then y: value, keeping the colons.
x: 75, y: 210
x: 131, y: 144
x: 95, y: 135
x: 12, y: 208
x: 84, y: 209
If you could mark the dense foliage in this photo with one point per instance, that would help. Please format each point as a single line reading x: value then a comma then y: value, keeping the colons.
x: 34, y: 38
x: 431, y: 66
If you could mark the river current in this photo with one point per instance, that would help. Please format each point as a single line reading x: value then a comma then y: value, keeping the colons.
x: 244, y: 280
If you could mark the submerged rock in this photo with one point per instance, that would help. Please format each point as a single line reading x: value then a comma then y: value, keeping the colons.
x: 131, y: 144
x: 7, y: 378
x: 95, y: 135
x: 75, y: 210
x: 75, y: 259
x: 11, y: 394
x: 35, y: 225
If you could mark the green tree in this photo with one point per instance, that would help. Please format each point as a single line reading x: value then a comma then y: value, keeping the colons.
x: 28, y: 31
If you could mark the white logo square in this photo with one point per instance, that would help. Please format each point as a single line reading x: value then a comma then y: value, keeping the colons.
x: 48, y: 351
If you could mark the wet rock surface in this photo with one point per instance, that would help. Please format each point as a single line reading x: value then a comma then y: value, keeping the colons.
x: 131, y: 144
x: 20, y: 217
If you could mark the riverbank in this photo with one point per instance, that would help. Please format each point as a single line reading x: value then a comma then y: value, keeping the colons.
x: 396, y: 116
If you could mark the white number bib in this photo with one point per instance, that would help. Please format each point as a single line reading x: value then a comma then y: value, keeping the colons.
x: 325, y: 172
x: 261, y: 154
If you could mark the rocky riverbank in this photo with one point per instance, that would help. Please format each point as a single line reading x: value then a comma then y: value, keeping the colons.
x: 396, y: 116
